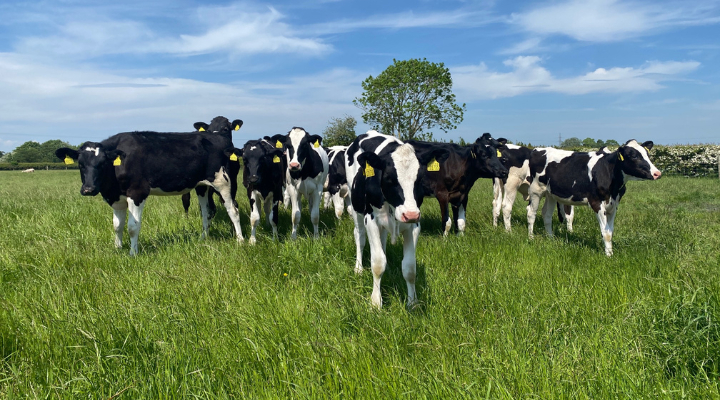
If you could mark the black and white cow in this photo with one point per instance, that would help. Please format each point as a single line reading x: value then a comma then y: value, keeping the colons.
x: 452, y: 183
x: 128, y: 167
x: 386, y: 192
x: 597, y: 179
x: 336, y: 187
x: 307, y: 170
x: 517, y: 160
x: 264, y: 178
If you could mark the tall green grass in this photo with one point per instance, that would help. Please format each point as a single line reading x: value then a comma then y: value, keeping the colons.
x: 501, y: 316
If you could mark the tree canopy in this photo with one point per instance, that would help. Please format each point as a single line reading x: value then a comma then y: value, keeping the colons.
x: 409, y: 98
x: 29, y: 152
x: 340, y: 131
x: 587, y: 142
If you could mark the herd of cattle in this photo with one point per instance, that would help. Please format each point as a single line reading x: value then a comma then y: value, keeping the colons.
x: 379, y: 179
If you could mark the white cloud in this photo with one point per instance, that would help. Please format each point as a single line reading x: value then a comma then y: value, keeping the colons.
x: 526, y: 46
x: 612, y: 20
x: 76, y: 104
x: 235, y: 31
x: 528, y: 76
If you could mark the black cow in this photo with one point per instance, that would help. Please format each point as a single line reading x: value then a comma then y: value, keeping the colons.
x: 386, y: 194
x: 336, y: 188
x: 307, y: 169
x: 128, y: 167
x: 597, y: 179
x: 452, y: 183
x: 264, y: 179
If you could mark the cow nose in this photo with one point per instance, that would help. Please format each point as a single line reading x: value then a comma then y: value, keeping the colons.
x: 294, y: 165
x: 85, y: 191
x: 254, y: 179
x: 657, y: 174
x: 411, y: 216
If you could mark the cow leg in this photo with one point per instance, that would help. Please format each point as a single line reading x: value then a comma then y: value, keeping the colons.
x: 212, y: 210
x: 254, y: 215
x: 326, y: 200
x: 511, y: 190
x: 498, y: 190
x: 610, y: 212
x: 532, y: 207
x: 547, y: 213
x: 359, y: 233
x: 294, y: 197
x: 286, y: 198
x: 410, y: 239
x: 223, y: 189
x: 314, y: 206
x: 271, y: 209
x: 135, y: 211
x: 378, y: 261
x: 442, y: 198
x: 460, y: 218
x: 569, y: 216
x: 119, y: 213
x: 203, y: 195
x: 338, y: 204
x: 186, y: 202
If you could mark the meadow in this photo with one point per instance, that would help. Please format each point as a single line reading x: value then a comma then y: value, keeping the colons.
x: 500, y: 316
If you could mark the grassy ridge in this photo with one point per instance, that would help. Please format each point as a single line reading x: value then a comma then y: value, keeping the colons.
x: 500, y: 316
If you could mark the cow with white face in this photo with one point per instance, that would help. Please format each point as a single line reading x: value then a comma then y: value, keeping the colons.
x: 307, y: 169
x: 128, y: 167
x: 336, y: 187
x: 386, y: 191
x: 597, y: 179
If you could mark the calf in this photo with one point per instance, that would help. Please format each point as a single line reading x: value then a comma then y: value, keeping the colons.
x: 386, y: 194
x: 336, y: 188
x: 517, y: 160
x: 128, y: 167
x: 307, y: 168
x: 597, y: 179
x: 263, y: 177
x: 452, y: 183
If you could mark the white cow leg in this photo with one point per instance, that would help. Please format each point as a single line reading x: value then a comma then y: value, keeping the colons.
x: 602, y: 221
x: 205, y: 212
x: 232, y: 210
x: 254, y: 216
x: 497, y: 199
x: 461, y: 220
x: 410, y: 238
x: 532, y: 211
x: 286, y: 198
x: 296, y: 208
x: 547, y: 213
x: 511, y: 189
x: 378, y: 261
x: 359, y: 233
x: 134, y: 223
x: 314, y: 206
x: 610, y: 213
x: 119, y: 213
x: 569, y: 219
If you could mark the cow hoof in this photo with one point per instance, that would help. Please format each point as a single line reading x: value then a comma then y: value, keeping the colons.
x: 358, y: 270
x: 252, y: 240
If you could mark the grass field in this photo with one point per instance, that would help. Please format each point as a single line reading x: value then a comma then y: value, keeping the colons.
x: 500, y: 316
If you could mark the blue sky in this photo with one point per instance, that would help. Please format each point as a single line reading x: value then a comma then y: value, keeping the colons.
x: 528, y: 71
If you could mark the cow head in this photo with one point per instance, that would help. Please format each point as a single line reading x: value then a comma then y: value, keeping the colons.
x: 485, y: 152
x: 297, y: 144
x: 395, y: 178
x: 219, y: 125
x: 94, y: 161
x: 635, y: 161
x: 258, y: 156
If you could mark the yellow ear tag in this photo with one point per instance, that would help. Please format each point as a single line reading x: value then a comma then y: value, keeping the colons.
x: 276, y: 159
x: 237, y: 127
x: 499, y: 154
x: 233, y: 157
x: 316, y: 144
x: 433, y: 165
x: 278, y: 145
x: 621, y: 157
x: 369, y: 171
x: 201, y: 129
x: 117, y: 161
x: 646, y: 149
x: 68, y: 160
x: 473, y: 154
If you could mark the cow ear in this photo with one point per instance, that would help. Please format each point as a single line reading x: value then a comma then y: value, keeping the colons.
x: 439, y: 155
x: 66, y: 152
x: 201, y: 126
x: 233, y: 153
x: 315, y: 139
x: 370, y: 189
x: 648, y: 145
x: 117, y: 156
x: 371, y: 159
x: 276, y: 138
x: 237, y: 124
x: 603, y: 150
x: 502, y: 141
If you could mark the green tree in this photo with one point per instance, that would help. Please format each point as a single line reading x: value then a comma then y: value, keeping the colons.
x: 340, y: 131
x: 589, y: 142
x: 409, y: 97
x: 611, y: 142
x: 571, y: 142
x: 2, y: 153
x: 37, y: 152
